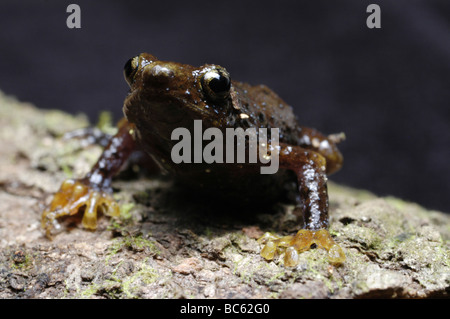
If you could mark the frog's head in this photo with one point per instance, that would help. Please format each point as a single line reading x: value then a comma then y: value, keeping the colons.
x: 166, y: 95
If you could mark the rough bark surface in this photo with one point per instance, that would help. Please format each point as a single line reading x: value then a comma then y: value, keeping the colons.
x: 158, y: 250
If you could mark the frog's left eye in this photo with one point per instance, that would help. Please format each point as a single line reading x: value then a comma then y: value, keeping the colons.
x: 130, y: 68
x: 216, y: 83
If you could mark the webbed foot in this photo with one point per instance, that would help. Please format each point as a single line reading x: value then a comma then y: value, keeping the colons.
x: 73, y: 196
x: 302, y: 241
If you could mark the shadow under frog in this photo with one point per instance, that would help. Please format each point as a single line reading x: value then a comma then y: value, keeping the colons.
x: 167, y: 95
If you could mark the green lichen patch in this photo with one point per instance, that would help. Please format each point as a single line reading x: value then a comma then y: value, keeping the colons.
x: 146, y: 275
x: 121, y: 286
x: 20, y: 259
x: 365, y: 237
x: 134, y: 243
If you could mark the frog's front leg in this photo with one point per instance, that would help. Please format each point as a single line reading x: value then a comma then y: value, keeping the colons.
x: 310, y: 168
x: 93, y: 193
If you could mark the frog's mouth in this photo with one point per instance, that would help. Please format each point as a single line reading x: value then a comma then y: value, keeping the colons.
x: 167, y: 113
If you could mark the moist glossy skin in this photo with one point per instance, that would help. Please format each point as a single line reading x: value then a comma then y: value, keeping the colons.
x: 167, y: 95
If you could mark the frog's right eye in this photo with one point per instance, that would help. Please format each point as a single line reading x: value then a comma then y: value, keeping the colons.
x: 130, y: 68
x: 216, y: 83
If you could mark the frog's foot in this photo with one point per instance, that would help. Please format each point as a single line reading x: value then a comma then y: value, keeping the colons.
x: 73, y: 196
x: 302, y: 241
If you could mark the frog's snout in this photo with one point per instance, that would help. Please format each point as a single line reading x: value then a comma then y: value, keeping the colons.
x: 158, y: 72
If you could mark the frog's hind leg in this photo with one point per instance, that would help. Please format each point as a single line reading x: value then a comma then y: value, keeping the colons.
x: 310, y: 168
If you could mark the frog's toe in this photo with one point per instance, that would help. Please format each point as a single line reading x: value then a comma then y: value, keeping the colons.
x: 291, y: 246
x: 73, y: 196
x: 322, y: 239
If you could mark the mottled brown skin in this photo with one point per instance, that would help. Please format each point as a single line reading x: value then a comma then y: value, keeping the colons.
x: 167, y: 95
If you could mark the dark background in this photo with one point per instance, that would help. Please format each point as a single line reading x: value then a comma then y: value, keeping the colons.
x: 388, y: 89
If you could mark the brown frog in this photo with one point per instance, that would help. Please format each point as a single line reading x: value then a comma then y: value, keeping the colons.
x: 167, y: 95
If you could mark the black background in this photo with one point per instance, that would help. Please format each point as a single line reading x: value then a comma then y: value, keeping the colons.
x: 388, y: 89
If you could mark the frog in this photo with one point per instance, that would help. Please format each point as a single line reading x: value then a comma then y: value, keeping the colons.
x: 166, y: 95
